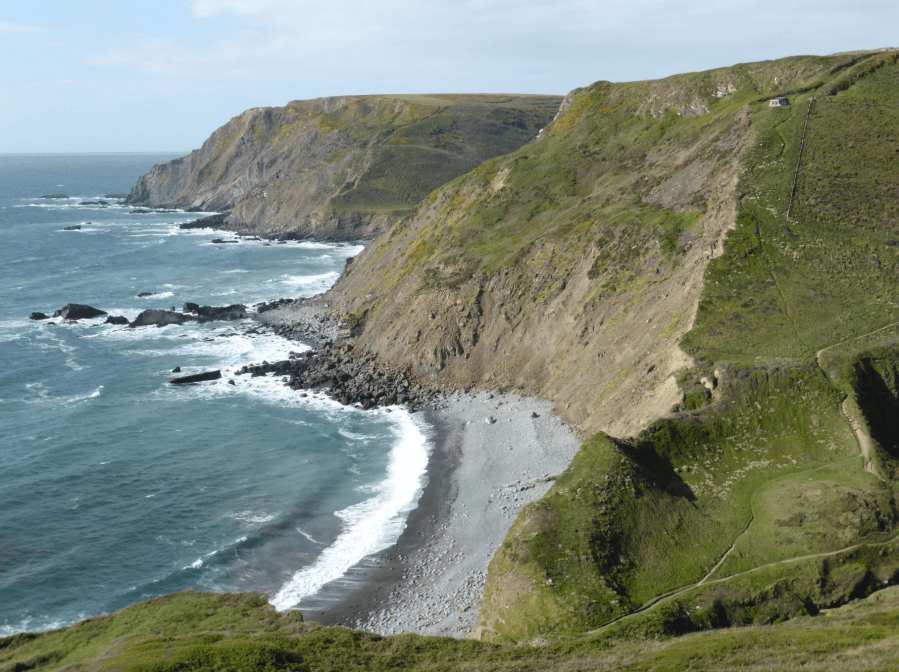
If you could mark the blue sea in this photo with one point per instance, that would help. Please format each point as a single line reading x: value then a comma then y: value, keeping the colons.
x: 115, y: 486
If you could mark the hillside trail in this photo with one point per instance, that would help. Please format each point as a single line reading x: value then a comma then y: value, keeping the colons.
x: 666, y: 597
x: 851, y: 410
x: 865, y: 445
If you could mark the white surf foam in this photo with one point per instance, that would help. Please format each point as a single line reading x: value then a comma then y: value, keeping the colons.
x: 302, y: 280
x: 371, y: 525
x: 254, y: 517
x: 308, y: 536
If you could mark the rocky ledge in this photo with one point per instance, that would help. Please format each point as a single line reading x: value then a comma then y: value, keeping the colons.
x: 348, y: 377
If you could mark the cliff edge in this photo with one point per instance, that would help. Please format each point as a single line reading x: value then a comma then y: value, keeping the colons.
x: 344, y: 167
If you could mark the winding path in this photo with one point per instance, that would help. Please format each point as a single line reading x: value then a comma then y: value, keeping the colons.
x: 865, y: 444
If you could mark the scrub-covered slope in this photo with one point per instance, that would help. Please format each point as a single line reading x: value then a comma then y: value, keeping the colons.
x: 771, y: 492
x: 347, y: 167
x: 202, y: 631
x: 637, y: 265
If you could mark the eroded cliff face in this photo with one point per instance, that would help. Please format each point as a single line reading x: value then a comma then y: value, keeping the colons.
x: 340, y: 168
x: 649, y: 216
x: 588, y: 313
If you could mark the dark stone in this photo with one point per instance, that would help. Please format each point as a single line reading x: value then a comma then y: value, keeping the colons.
x: 159, y: 318
x: 211, y: 222
x: 197, y: 378
x: 236, y: 311
x: 145, y: 294
x: 177, y: 369
x: 190, y: 307
x: 231, y: 382
x: 38, y: 316
x: 116, y: 319
x: 222, y: 241
x: 76, y: 311
x: 54, y: 196
x: 74, y: 227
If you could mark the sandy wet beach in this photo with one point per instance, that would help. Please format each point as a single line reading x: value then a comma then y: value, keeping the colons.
x: 493, y: 455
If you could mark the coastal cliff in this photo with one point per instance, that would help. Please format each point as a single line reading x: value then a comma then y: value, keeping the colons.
x: 342, y: 168
x: 705, y: 286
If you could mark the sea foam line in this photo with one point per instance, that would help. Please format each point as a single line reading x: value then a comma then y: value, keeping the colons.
x: 371, y: 525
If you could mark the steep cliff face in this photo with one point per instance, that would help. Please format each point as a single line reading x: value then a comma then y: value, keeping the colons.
x: 341, y: 168
x: 706, y: 284
x: 569, y: 270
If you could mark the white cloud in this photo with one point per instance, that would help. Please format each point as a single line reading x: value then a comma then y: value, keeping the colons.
x: 353, y: 46
x: 19, y: 28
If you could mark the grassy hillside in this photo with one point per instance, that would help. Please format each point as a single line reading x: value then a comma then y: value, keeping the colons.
x: 342, y: 167
x: 199, y: 631
x: 751, y: 481
x: 773, y: 493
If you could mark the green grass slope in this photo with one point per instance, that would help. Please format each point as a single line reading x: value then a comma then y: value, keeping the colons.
x: 773, y: 493
x: 223, y: 633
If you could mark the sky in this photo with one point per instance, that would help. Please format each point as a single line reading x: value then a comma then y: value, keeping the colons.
x: 162, y: 76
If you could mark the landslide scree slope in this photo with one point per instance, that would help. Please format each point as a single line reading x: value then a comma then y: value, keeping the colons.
x: 636, y: 265
x: 344, y: 167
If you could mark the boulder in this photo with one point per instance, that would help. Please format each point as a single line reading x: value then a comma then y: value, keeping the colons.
x: 236, y: 311
x: 191, y: 307
x: 197, y: 378
x: 211, y: 222
x: 159, y: 318
x: 116, y: 319
x: 76, y: 311
x: 74, y: 227
x: 222, y: 241
x: 144, y: 295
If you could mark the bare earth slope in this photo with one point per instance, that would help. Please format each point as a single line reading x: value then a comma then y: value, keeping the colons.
x: 344, y: 167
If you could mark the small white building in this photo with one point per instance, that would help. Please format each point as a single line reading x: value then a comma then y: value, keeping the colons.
x: 779, y: 102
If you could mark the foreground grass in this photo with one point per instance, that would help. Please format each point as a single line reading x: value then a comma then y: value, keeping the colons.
x: 201, y: 631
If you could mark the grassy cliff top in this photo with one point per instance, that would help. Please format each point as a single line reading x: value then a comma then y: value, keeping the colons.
x: 202, y: 631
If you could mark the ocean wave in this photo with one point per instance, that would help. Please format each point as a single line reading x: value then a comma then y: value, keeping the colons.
x: 254, y: 517
x: 323, y: 279
x: 354, y: 437
x: 371, y: 525
x: 39, y: 624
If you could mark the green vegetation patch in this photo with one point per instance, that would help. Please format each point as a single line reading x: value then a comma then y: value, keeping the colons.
x: 763, y: 475
x: 829, y: 273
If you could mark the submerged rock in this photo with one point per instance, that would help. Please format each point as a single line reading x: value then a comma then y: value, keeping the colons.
x: 38, y: 316
x: 74, y: 227
x: 197, y: 378
x: 159, y: 318
x: 116, y: 319
x: 77, y: 311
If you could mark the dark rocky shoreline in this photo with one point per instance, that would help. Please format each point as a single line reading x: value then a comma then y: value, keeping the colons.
x: 348, y: 377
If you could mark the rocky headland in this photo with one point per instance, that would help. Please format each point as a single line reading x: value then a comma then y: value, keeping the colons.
x: 342, y: 168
